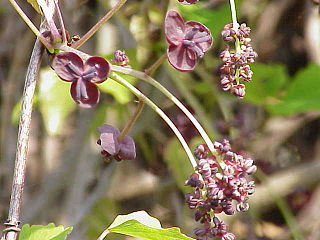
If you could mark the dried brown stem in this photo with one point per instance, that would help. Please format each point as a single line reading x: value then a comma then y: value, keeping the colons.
x: 11, y: 232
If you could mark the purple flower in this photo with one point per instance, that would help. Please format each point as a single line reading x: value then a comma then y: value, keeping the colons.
x: 113, y: 147
x: 188, y: 41
x: 70, y: 67
x: 188, y: 2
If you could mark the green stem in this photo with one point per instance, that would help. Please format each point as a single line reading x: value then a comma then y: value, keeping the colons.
x: 98, y: 25
x: 33, y: 28
x: 132, y: 120
x: 178, y: 78
x: 234, y: 14
x: 152, y: 105
x: 156, y: 65
x: 150, y: 80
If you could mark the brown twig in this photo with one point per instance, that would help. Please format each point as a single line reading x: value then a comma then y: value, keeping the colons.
x: 12, y: 225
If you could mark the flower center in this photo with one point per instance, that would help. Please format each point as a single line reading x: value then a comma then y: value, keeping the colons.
x: 89, y: 74
x: 73, y: 69
x: 193, y: 38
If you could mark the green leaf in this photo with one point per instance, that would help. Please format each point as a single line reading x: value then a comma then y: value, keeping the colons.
x: 178, y: 162
x: 119, y: 92
x: 302, y: 94
x: 39, y: 232
x: 141, y: 224
x: 35, y: 5
x: 214, y: 20
x: 55, y: 101
x: 268, y: 80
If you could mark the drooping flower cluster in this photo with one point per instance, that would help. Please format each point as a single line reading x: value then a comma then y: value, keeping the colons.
x: 84, y: 76
x: 115, y: 146
x: 188, y: 41
x: 219, y: 181
x: 120, y: 58
x: 236, y: 70
x: 188, y: 2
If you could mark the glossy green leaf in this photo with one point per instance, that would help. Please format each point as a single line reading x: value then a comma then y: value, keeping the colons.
x: 140, y: 224
x: 178, y: 162
x: 302, y: 94
x: 39, y: 232
x: 55, y: 101
x: 268, y: 80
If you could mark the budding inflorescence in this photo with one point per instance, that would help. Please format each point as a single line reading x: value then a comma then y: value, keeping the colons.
x: 236, y: 70
x: 219, y: 181
x: 120, y: 58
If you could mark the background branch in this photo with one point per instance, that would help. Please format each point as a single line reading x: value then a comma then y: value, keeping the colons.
x: 11, y: 232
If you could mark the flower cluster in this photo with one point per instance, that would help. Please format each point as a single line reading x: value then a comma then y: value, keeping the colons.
x: 114, y: 145
x: 188, y: 2
x: 219, y: 181
x: 188, y: 41
x: 120, y: 58
x: 235, y: 70
x: 84, y: 76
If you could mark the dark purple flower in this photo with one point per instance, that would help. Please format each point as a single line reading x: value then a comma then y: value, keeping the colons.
x: 188, y: 2
x: 70, y: 67
x: 188, y: 41
x: 113, y: 147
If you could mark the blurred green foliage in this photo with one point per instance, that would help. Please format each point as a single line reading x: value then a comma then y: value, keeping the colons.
x: 48, y: 232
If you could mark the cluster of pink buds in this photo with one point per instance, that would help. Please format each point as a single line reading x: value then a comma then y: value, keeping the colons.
x: 236, y: 70
x: 219, y: 182
x: 120, y: 58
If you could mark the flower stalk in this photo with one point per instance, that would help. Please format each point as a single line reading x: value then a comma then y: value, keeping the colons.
x: 159, y: 111
x: 132, y: 120
x: 98, y: 25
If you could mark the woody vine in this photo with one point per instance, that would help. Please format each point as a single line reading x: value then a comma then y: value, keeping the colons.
x: 220, y: 175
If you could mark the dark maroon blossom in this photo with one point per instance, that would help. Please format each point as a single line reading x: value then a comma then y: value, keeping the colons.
x: 188, y: 41
x: 70, y: 67
x: 188, y: 2
x: 114, y: 145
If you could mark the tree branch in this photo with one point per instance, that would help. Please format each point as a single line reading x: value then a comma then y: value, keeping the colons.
x: 12, y: 224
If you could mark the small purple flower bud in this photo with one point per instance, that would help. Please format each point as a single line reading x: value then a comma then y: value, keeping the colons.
x: 194, y: 181
x: 201, y: 151
x: 239, y: 90
x: 120, y: 58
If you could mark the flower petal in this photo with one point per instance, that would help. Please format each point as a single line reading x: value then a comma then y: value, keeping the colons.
x: 85, y: 93
x: 127, y: 149
x: 99, y: 66
x: 68, y: 66
x: 202, y: 37
x: 182, y: 58
x: 109, y: 143
x: 106, y: 128
x: 174, y: 27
